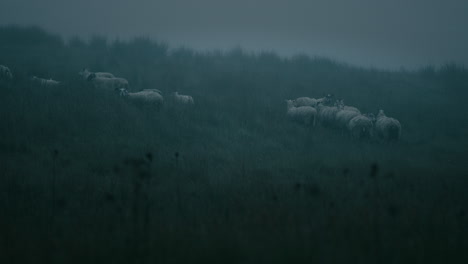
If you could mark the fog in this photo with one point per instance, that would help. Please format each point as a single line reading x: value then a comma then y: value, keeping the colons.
x: 121, y: 143
x: 384, y: 34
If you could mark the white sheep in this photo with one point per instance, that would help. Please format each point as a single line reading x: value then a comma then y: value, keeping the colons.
x: 343, y: 117
x: 351, y: 108
x: 147, y: 96
x: 327, y: 115
x: 307, y: 101
x: 85, y: 73
x: 360, y: 127
x: 342, y: 106
x: 155, y: 90
x: 387, y: 128
x: 183, y: 99
x: 45, y: 82
x: 302, y: 114
x: 108, y: 83
x: 5, y: 73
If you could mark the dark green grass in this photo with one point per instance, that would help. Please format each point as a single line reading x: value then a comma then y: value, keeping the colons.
x: 229, y: 179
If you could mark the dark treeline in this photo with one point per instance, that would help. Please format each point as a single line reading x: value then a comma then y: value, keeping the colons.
x: 86, y: 176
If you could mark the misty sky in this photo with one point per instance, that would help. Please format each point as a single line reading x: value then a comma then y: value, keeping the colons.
x: 382, y: 33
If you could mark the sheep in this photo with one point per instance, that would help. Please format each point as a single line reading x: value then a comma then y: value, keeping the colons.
x: 5, y: 73
x: 328, y: 100
x: 342, y: 106
x: 45, y: 82
x: 351, y: 108
x: 360, y: 127
x: 343, y: 117
x: 302, y: 114
x: 108, y: 83
x: 155, y: 90
x: 327, y: 114
x: 387, y: 128
x: 147, y: 96
x: 183, y: 99
x: 307, y: 101
x: 85, y: 73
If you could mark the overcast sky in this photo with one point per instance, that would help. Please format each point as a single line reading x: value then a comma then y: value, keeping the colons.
x: 381, y: 33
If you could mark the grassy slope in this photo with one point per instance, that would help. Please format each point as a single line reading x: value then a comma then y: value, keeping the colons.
x: 247, y: 185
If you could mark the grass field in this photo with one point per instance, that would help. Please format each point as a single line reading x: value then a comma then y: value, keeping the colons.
x: 87, y: 177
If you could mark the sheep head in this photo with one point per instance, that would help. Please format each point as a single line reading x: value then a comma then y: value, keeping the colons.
x: 8, y: 73
x: 340, y: 104
x: 380, y: 114
x: 91, y: 76
x: 328, y: 99
x: 371, y: 116
x: 123, y: 92
x: 84, y: 73
x: 289, y: 103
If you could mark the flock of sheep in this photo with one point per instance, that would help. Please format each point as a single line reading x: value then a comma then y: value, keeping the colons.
x: 335, y: 114
x: 107, y: 81
x: 326, y: 111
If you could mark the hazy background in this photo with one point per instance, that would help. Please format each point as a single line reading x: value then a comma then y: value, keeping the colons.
x: 364, y: 32
x: 88, y: 176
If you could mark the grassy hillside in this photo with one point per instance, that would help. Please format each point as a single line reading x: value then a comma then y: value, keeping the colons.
x: 87, y: 177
